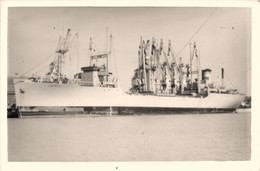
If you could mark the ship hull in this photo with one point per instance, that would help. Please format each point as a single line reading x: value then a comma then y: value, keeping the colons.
x: 99, y: 100
x: 115, y: 110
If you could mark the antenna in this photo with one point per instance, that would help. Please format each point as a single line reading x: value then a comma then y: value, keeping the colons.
x: 107, y: 39
x: 190, y: 65
x: 198, y: 67
x: 90, y: 50
x: 77, y: 44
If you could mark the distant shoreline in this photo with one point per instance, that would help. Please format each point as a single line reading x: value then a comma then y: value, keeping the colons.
x: 239, y: 110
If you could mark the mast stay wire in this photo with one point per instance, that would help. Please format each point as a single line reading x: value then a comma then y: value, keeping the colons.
x: 72, y: 47
x: 77, y: 53
x: 38, y: 64
x: 201, y: 26
x: 227, y: 78
x: 72, y: 42
x: 232, y: 86
x: 54, y: 60
x: 218, y: 77
x: 41, y: 69
x: 115, y: 63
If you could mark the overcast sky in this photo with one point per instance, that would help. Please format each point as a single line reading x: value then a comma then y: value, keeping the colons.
x: 224, y: 40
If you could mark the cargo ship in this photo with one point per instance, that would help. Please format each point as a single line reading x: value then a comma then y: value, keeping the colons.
x: 160, y: 85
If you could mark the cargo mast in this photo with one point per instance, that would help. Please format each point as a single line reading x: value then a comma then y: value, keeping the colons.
x: 144, y: 63
x: 181, y: 75
x: 62, y: 49
x: 195, y: 71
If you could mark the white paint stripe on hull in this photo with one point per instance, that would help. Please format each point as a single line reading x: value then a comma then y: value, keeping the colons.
x: 39, y: 94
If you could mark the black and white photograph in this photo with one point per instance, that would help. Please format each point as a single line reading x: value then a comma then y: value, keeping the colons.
x: 128, y: 83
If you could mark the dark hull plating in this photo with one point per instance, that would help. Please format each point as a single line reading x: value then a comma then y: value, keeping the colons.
x: 52, y: 111
x: 156, y: 110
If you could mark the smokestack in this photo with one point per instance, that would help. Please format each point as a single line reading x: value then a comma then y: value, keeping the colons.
x: 222, y: 76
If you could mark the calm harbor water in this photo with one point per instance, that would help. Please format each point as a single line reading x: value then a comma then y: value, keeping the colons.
x: 217, y: 137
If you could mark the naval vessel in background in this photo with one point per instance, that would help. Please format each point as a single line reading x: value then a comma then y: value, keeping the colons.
x: 160, y: 85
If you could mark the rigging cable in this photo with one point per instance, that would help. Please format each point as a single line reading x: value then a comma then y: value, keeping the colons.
x: 77, y: 54
x: 201, y: 26
x: 37, y: 64
x: 115, y: 62
x: 232, y: 86
x: 40, y: 70
x: 70, y: 62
